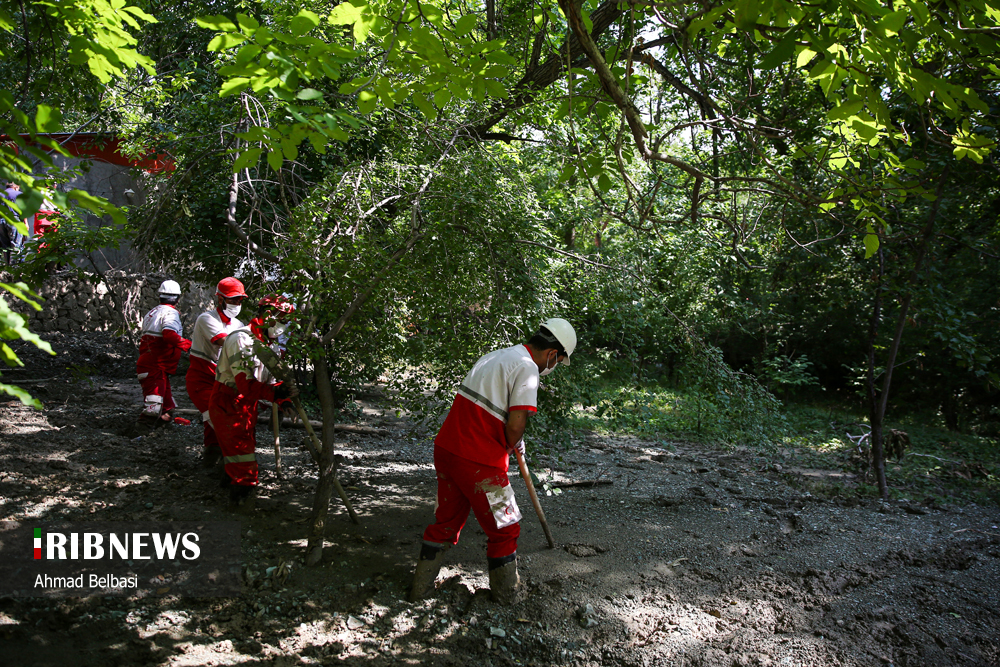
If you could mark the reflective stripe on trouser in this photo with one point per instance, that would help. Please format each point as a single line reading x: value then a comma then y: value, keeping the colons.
x: 199, y: 385
x: 156, y: 392
x: 465, y: 485
x: 235, y: 422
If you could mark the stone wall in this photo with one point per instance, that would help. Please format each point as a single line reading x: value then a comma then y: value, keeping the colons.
x: 73, y: 303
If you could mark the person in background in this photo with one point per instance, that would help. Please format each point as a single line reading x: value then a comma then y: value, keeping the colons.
x: 11, y: 240
x: 210, y: 331
x: 160, y: 349
x: 241, y: 380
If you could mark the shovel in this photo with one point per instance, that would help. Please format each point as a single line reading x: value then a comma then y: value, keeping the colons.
x: 534, y: 497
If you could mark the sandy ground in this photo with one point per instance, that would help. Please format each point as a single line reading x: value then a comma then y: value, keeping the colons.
x: 690, y: 556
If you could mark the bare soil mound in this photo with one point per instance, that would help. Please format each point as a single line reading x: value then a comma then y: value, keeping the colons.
x: 690, y: 556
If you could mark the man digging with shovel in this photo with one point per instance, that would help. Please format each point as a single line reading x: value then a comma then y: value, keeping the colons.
x: 486, y: 422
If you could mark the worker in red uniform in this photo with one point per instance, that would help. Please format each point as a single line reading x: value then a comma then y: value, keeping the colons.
x: 160, y: 349
x: 486, y: 422
x: 240, y: 381
x: 210, y: 331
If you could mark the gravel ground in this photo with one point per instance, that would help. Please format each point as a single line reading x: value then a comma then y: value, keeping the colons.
x: 683, y: 555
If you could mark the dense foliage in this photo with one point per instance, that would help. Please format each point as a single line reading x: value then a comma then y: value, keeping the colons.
x: 740, y: 199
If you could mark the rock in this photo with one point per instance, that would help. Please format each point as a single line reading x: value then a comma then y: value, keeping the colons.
x: 225, y: 646
x: 354, y: 623
x: 583, y: 612
x: 498, y: 632
x: 588, y: 622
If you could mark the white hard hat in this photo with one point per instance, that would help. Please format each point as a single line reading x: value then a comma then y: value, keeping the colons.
x: 564, y: 333
x: 169, y: 288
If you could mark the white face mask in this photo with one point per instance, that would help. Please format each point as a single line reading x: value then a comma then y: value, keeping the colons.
x: 276, y: 330
x: 231, y: 310
x: 548, y: 370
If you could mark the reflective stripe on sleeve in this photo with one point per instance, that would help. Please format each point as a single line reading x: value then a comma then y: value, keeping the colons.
x: 242, y: 458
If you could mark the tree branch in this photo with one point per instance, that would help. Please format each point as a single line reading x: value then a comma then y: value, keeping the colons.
x: 234, y: 189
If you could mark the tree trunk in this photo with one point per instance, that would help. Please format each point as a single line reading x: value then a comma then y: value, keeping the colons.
x: 327, y: 464
x: 878, y: 409
x: 875, y: 415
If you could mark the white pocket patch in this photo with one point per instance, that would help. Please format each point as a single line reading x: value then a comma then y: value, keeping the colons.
x: 503, y: 506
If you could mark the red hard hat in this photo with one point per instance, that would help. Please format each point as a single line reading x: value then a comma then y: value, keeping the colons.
x: 230, y: 287
x: 278, y: 302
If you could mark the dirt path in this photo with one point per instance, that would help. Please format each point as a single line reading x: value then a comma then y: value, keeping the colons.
x: 689, y: 557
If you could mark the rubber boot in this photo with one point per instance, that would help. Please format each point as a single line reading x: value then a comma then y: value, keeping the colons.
x: 211, y: 457
x: 428, y: 566
x: 504, y: 579
x: 241, y: 498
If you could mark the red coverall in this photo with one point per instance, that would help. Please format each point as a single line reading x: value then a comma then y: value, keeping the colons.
x: 210, y: 330
x: 240, y: 381
x: 471, y: 452
x: 159, y: 351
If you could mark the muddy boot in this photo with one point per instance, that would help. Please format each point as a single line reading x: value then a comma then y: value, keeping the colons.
x: 211, y: 457
x: 503, y: 578
x: 428, y: 566
x: 241, y: 498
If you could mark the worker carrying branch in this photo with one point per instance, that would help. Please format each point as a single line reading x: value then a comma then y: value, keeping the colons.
x: 210, y: 331
x: 160, y: 349
x: 471, y: 454
x: 241, y: 379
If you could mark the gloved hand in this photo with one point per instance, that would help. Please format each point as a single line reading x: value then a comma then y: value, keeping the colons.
x: 185, y: 345
x: 518, y: 447
x: 284, y: 391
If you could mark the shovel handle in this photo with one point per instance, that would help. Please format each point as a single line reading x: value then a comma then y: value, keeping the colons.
x: 534, y: 497
x: 275, y: 421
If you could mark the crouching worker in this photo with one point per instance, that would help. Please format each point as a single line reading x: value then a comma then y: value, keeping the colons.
x: 160, y: 349
x: 241, y: 380
x: 210, y: 331
x: 485, y: 423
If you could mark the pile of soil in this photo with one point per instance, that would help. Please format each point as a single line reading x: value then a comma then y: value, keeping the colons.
x: 680, y: 555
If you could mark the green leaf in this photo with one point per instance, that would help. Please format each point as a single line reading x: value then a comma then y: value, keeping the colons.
x: 441, y: 97
x: 892, y: 23
x: 804, y: 58
x: 248, y: 24
x: 21, y: 395
x: 247, y: 159
x: 871, y: 242
x: 275, y: 159
x: 466, y: 24
x: 233, y: 86
x: 48, y: 119
x: 346, y: 14
x: 366, y: 102
x: 425, y: 106
x: 225, y: 41
x: 303, y: 22
x: 846, y: 110
x: 496, y: 89
x: 309, y: 94
x: 604, y: 182
x: 781, y: 52
x: 217, y: 22
x: 746, y: 14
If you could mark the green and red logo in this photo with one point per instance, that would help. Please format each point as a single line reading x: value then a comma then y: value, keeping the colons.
x: 38, y: 543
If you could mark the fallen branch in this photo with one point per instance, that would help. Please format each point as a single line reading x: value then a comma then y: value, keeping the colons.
x: 351, y: 428
x: 974, y: 530
x: 593, y: 482
x: 937, y: 458
x: 287, y: 423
